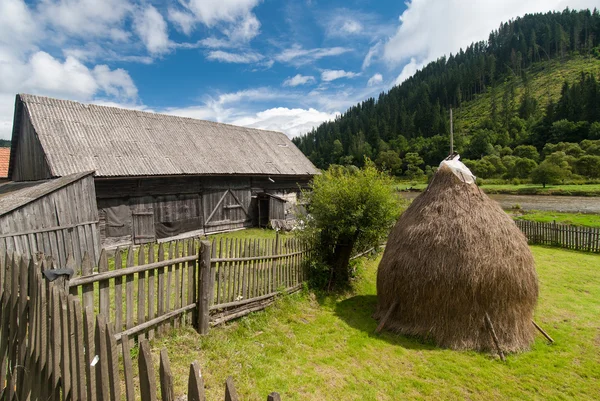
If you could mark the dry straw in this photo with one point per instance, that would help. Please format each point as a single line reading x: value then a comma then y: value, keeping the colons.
x: 453, y: 256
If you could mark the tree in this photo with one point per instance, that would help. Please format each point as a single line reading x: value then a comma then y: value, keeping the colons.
x: 481, y: 144
x: 348, y: 209
x: 413, y: 162
x: 389, y: 161
x: 527, y: 152
x: 523, y: 167
x: 588, y: 166
x: 547, y: 173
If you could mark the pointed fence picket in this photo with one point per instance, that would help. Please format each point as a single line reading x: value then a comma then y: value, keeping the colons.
x: 71, y: 338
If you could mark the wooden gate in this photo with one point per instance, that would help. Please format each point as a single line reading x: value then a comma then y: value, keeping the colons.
x: 226, y: 209
x: 143, y: 226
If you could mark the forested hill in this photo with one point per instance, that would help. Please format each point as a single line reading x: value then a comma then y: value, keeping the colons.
x: 534, y: 81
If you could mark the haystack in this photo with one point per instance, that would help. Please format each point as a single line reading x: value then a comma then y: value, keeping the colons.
x: 453, y: 256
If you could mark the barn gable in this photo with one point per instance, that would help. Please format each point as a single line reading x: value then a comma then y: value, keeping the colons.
x: 27, y: 158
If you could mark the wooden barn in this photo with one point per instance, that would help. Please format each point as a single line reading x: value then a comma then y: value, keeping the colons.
x: 56, y: 217
x: 158, y: 176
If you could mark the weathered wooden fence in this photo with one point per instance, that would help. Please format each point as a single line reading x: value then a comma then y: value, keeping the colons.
x: 145, y: 291
x: 53, y: 349
x: 561, y: 235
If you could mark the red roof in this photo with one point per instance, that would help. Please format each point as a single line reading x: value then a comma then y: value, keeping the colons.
x: 4, y: 159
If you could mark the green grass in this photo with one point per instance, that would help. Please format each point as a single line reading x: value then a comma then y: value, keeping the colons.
x: 313, y: 348
x: 520, y: 189
x: 574, y: 219
x: 536, y: 189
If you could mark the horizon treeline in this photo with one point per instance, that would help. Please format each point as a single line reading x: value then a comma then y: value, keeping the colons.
x: 406, y: 130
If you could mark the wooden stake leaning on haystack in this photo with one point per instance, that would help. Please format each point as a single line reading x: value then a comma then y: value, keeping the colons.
x: 457, y: 270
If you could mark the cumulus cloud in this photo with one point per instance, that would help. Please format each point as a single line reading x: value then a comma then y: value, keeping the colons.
x: 408, y: 71
x: 17, y: 25
x: 233, y: 18
x: 331, y: 75
x: 297, y: 55
x: 429, y: 29
x: 292, y: 122
x: 375, y: 80
x: 244, y: 31
x: 151, y: 27
x: 183, y: 21
x: 299, y: 79
x: 85, y: 18
x: 211, y: 12
x: 239, y: 58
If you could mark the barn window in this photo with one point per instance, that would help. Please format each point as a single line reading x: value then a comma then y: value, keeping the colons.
x: 118, y: 219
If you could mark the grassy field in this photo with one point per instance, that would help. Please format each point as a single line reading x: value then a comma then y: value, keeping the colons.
x: 575, y: 219
x: 323, y: 348
x: 521, y: 189
x: 536, y: 189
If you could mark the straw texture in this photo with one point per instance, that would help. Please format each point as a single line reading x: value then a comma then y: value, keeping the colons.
x: 453, y: 256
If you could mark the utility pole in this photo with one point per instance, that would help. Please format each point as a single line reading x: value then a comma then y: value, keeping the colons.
x: 451, y: 134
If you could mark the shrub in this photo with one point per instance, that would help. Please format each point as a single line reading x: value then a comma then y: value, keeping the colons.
x: 348, y: 210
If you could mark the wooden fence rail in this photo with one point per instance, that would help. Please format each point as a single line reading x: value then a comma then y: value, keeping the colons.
x: 53, y: 348
x: 561, y: 235
x: 59, y: 340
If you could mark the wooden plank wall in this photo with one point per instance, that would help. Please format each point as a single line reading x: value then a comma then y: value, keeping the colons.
x: 561, y: 235
x: 59, y: 224
x: 192, y: 200
x: 53, y: 349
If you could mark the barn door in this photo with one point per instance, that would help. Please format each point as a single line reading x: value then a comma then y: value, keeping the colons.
x: 226, y: 209
x: 143, y: 226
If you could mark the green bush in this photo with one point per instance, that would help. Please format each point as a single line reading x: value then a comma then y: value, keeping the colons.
x: 349, y: 210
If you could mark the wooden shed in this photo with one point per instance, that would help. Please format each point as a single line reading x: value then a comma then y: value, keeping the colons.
x: 57, y: 217
x: 157, y: 176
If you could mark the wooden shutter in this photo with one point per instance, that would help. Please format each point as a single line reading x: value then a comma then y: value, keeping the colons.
x: 143, y: 226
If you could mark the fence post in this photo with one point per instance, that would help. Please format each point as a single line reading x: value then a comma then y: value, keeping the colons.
x: 205, y: 287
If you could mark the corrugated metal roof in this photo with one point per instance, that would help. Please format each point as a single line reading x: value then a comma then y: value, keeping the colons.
x: 120, y: 142
x: 13, y: 195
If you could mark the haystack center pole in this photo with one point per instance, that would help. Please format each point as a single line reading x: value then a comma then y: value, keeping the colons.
x: 451, y: 134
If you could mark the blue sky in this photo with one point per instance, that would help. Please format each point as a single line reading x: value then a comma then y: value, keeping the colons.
x: 282, y: 65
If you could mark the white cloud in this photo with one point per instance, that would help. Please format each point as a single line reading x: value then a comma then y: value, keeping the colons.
x: 233, y: 18
x: 408, y: 71
x: 17, y: 25
x: 116, y: 83
x: 299, y: 79
x: 299, y: 56
x: 183, y: 21
x: 292, y: 122
x: 429, y: 29
x: 211, y: 12
x: 349, y: 24
x: 372, y: 53
x: 240, y: 58
x: 331, y: 75
x: 244, y: 31
x: 375, y: 79
x: 151, y: 27
x: 85, y: 18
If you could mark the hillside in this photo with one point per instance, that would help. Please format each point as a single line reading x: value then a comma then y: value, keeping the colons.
x: 533, y: 82
x: 545, y: 80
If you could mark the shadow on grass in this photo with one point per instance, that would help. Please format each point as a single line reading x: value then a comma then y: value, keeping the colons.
x: 356, y: 311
